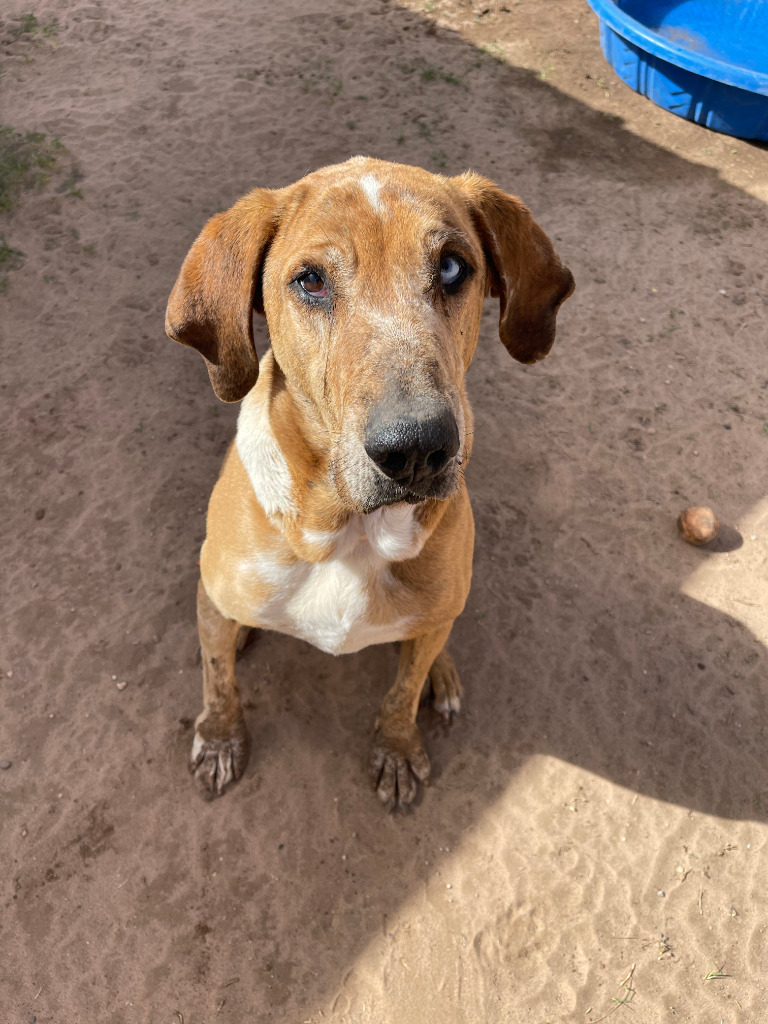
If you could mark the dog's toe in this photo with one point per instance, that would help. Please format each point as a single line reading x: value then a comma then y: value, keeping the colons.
x: 217, y: 761
x: 446, y: 686
x: 395, y: 769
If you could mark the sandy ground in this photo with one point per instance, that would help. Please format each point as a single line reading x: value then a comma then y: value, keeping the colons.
x: 595, y: 830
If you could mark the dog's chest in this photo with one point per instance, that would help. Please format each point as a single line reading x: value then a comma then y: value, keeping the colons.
x: 349, y: 600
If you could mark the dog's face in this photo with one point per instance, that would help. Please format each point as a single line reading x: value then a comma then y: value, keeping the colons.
x: 372, y: 277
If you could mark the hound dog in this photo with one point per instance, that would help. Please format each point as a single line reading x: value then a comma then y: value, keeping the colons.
x: 341, y: 516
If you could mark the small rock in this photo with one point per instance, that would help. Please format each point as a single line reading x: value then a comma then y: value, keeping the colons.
x: 661, y: 894
x: 40, y: 513
x: 5, y: 765
x: 698, y: 525
x: 31, y: 1019
x: 121, y: 686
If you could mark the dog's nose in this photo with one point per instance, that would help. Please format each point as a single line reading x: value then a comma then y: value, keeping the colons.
x: 411, y: 448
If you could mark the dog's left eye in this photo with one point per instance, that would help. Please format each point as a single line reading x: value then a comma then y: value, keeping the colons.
x: 452, y: 271
x: 314, y: 285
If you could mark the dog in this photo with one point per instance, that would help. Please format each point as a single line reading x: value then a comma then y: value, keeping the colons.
x: 341, y: 516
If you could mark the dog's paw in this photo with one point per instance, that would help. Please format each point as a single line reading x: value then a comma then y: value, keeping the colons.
x: 396, y: 766
x: 446, y: 686
x: 219, y: 755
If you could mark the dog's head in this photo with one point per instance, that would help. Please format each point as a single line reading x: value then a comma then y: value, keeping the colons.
x: 372, y: 278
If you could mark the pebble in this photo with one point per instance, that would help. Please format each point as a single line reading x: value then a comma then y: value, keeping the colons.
x: 121, y: 686
x: 661, y: 893
x: 5, y: 765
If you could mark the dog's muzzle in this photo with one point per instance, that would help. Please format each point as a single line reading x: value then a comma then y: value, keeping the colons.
x: 413, y: 448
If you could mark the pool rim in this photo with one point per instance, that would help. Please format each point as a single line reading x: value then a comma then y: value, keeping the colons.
x: 708, y: 67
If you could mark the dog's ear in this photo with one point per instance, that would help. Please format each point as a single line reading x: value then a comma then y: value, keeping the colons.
x: 219, y: 285
x: 524, y: 270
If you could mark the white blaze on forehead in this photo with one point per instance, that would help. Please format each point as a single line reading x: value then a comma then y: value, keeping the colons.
x: 263, y: 458
x: 372, y: 188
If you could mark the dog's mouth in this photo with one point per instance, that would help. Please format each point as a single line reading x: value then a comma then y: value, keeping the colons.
x: 440, y: 487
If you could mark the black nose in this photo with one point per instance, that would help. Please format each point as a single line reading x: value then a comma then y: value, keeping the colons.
x: 412, y: 449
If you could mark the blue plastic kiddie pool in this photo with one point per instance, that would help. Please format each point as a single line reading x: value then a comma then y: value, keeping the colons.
x: 706, y: 60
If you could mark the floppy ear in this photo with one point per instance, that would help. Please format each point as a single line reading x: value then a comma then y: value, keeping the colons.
x: 212, y: 302
x: 525, y: 271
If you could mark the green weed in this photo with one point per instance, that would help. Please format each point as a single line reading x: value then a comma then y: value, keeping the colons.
x: 319, y: 77
x: 10, y: 259
x: 28, y: 25
x: 430, y: 74
x: 26, y: 161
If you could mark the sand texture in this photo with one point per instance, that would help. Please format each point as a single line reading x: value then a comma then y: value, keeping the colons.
x: 595, y: 828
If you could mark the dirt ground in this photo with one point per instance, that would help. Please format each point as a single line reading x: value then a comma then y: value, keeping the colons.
x: 593, y: 842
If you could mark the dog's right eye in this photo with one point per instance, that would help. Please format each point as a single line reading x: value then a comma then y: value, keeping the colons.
x: 313, y: 284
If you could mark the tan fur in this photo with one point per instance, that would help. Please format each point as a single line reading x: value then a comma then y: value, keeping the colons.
x: 304, y: 533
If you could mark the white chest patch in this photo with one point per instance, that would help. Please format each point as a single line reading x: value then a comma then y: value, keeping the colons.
x: 346, y: 602
x: 263, y: 458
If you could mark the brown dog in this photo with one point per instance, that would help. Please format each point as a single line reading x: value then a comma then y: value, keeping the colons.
x: 341, y: 516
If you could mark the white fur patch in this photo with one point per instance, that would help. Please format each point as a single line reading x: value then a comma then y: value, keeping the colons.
x: 197, y: 748
x: 372, y: 188
x: 264, y: 461
x: 394, y: 533
x: 391, y: 532
x: 327, y: 603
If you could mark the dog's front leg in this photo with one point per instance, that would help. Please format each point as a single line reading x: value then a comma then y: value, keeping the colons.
x: 220, y: 747
x: 398, y: 759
